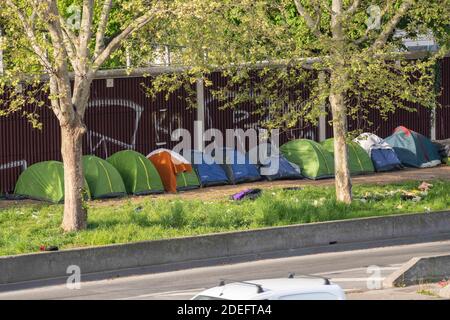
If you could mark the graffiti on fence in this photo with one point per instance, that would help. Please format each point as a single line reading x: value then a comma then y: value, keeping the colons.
x: 245, y: 119
x: 22, y: 164
x: 164, y: 124
x: 97, y: 141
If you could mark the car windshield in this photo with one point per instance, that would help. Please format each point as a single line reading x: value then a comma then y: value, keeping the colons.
x: 207, y: 298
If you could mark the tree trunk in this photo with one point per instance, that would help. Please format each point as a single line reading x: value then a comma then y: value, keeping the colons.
x: 342, y: 180
x: 338, y: 107
x: 75, y: 215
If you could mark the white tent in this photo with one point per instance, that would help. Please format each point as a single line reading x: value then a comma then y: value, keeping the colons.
x: 176, y: 157
x: 369, y: 141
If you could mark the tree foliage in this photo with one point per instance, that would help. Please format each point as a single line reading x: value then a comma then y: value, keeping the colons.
x: 347, y: 52
x: 61, y: 45
x: 270, y: 41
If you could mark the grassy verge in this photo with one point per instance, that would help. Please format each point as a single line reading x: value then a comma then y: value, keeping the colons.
x: 24, y: 229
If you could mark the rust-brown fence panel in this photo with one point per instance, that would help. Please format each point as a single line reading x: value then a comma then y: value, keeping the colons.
x: 118, y: 117
x: 132, y: 120
x: 245, y: 117
x: 418, y: 120
x: 443, y: 114
x: 121, y: 116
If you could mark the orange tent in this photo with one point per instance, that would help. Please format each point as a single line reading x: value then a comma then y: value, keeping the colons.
x: 170, y: 165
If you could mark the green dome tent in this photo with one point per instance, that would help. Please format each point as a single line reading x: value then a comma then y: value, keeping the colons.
x: 138, y: 173
x: 103, y: 179
x: 43, y: 181
x: 314, y: 161
x: 413, y: 149
x: 359, y: 161
x: 187, y: 181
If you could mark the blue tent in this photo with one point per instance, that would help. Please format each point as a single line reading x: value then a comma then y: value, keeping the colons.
x: 385, y: 160
x: 274, y: 166
x: 284, y: 171
x: 238, y: 167
x: 382, y: 154
x: 209, y: 173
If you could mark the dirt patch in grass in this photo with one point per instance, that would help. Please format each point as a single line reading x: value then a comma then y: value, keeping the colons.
x: 224, y: 192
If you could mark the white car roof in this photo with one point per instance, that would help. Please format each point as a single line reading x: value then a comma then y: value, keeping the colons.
x: 248, y: 290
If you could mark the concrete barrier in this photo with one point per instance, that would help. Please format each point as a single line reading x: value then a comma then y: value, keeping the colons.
x: 444, y: 292
x: 152, y: 253
x: 420, y: 271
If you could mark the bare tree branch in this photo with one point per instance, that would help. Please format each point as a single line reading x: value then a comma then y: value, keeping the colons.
x: 55, y: 102
x: 71, y: 50
x: 100, y: 35
x: 117, y: 41
x: 70, y: 34
x: 313, y: 26
x: 383, y: 12
x: 82, y: 82
x: 70, y: 41
x: 336, y: 21
x: 29, y: 30
x: 61, y: 74
x: 85, y: 31
x: 352, y: 9
x: 392, y: 24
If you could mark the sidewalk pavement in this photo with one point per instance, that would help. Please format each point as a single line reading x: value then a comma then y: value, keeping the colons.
x: 417, y: 292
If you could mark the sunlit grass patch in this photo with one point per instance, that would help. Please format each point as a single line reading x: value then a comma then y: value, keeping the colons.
x: 25, y: 228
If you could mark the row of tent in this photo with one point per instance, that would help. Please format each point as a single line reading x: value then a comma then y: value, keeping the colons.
x: 125, y: 172
x: 129, y: 172
x: 366, y: 153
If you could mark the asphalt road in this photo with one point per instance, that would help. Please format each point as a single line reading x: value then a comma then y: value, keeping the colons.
x: 349, y: 268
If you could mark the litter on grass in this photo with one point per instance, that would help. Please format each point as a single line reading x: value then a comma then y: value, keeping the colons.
x: 414, y: 195
x: 424, y: 186
x: 292, y: 188
x: 250, y: 194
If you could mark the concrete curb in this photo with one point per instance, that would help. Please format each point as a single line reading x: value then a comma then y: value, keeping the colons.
x: 48, y: 265
x: 445, y: 292
x: 419, y: 271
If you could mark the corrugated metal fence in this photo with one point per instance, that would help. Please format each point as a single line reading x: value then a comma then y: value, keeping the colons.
x: 443, y: 114
x: 135, y: 121
x: 246, y: 117
x: 132, y: 121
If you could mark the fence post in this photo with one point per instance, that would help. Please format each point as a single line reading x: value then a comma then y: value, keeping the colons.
x: 322, y: 127
x: 433, y: 124
x: 168, y: 58
x: 128, y: 57
x: 200, y: 121
x: 322, y: 117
